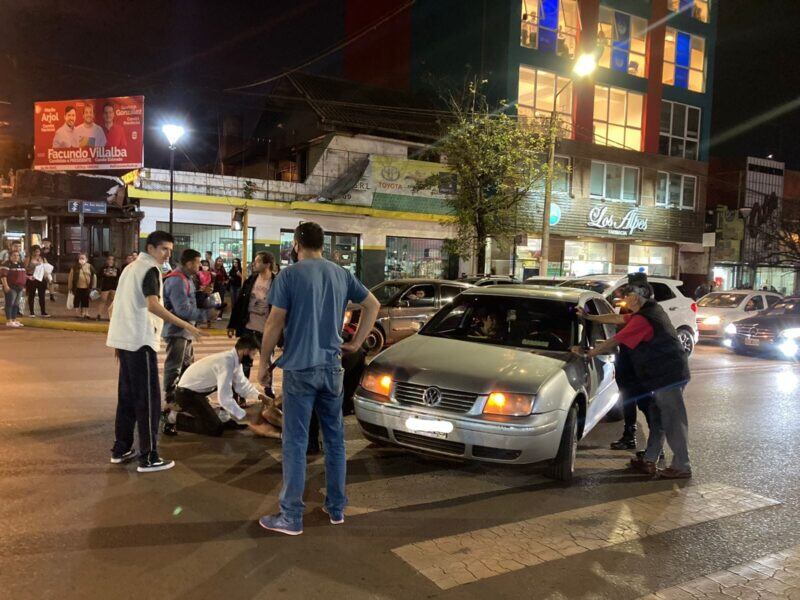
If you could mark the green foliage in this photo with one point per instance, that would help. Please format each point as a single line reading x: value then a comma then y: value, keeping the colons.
x: 249, y: 189
x: 498, y: 161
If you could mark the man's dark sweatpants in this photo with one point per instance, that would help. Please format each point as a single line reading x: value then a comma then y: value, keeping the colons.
x: 139, y: 401
x: 197, y: 415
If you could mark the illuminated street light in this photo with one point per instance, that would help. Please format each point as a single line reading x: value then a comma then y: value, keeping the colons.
x: 585, y: 65
x: 173, y: 133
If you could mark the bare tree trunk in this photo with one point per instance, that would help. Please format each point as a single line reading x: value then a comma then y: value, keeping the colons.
x: 480, y: 256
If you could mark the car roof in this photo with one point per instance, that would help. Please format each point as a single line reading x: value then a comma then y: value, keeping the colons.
x: 612, y: 279
x: 536, y: 291
x: 424, y: 280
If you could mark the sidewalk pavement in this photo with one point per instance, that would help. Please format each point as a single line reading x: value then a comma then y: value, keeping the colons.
x: 62, y: 318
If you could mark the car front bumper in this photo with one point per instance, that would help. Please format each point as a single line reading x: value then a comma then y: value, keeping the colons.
x: 529, y: 440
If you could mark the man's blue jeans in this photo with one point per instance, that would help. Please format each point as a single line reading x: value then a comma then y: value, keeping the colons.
x: 318, y: 389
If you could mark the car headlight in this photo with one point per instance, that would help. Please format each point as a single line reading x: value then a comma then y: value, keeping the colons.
x: 509, y: 405
x: 377, y: 383
x: 791, y: 334
x: 712, y: 320
x: 730, y: 328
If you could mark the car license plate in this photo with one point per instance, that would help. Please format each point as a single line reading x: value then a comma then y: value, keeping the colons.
x: 429, y: 427
x: 751, y: 342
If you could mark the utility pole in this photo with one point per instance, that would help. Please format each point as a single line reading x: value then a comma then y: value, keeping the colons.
x: 552, y: 132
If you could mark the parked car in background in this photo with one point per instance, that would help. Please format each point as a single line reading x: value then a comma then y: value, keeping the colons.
x: 774, y: 331
x: 484, y: 280
x: 545, y: 280
x: 491, y: 378
x: 682, y: 311
x: 715, y: 311
x: 406, y: 304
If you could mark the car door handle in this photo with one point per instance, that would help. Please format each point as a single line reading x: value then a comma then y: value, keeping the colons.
x: 673, y: 308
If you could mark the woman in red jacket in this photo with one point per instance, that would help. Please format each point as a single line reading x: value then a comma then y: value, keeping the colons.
x: 13, y: 278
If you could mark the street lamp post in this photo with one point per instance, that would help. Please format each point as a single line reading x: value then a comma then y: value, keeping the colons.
x: 584, y: 66
x: 173, y: 133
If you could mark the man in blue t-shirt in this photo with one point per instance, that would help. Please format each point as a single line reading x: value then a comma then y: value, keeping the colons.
x: 308, y: 301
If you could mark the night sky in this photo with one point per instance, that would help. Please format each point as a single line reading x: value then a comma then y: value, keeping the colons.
x: 181, y: 54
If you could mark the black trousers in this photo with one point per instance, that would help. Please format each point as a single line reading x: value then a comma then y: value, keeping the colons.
x: 630, y: 402
x: 138, y: 400
x: 33, y: 287
x: 197, y: 415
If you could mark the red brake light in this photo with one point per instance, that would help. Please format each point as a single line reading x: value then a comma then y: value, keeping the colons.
x: 694, y: 307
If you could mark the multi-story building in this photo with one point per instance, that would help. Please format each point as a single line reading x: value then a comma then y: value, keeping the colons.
x: 750, y: 196
x: 635, y: 133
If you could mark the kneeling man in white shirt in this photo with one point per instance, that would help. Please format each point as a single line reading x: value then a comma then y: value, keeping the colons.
x: 221, y: 372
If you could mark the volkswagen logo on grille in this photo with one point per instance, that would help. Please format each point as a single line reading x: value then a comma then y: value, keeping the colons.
x: 432, y: 396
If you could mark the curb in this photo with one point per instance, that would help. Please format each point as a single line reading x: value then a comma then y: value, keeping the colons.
x: 86, y: 327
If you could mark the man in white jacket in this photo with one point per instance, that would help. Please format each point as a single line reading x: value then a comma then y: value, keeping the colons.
x: 221, y: 372
x: 137, y: 318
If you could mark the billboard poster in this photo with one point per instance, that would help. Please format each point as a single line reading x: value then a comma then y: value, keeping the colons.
x: 393, y: 175
x: 89, y: 134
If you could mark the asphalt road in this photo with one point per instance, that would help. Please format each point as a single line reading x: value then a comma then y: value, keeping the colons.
x: 74, y: 526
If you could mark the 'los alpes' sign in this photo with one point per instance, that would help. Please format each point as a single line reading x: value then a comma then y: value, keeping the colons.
x: 601, y: 218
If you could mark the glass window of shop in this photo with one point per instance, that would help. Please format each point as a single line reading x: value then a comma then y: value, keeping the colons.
x: 341, y: 248
x: 415, y: 257
x: 777, y: 279
x: 623, y: 39
x: 587, y: 258
x: 653, y: 260
x: 550, y: 26
x: 218, y: 239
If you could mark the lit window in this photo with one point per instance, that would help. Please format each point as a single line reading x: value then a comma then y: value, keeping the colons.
x: 623, y: 39
x: 698, y: 9
x: 551, y: 26
x: 676, y: 191
x: 537, y: 97
x: 617, y: 118
x: 614, y: 182
x: 680, y: 130
x: 684, y: 60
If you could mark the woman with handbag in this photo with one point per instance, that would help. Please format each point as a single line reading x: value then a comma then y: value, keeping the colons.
x: 34, y: 286
x: 82, y: 280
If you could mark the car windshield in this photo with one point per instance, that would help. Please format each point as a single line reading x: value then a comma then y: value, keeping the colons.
x: 387, y: 290
x: 721, y: 300
x: 594, y: 285
x: 532, y: 323
x: 788, y: 306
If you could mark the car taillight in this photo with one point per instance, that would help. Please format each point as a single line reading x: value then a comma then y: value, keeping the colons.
x: 694, y: 307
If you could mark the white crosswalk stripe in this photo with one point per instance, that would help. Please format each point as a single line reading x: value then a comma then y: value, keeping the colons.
x: 475, y: 555
x: 775, y: 576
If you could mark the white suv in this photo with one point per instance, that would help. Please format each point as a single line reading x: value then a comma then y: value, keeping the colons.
x: 682, y: 311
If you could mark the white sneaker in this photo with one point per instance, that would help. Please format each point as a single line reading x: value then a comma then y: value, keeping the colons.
x: 18, y: 324
x: 10, y: 324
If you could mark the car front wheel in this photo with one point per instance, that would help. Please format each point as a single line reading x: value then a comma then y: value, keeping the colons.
x: 563, y: 466
x: 374, y: 342
x: 686, y: 338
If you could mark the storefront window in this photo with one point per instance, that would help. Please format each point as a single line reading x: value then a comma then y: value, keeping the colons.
x: 775, y: 279
x: 415, y: 257
x: 550, y: 26
x: 623, y: 39
x: 653, y: 260
x: 341, y: 248
x: 587, y: 258
x: 528, y: 255
x: 217, y: 239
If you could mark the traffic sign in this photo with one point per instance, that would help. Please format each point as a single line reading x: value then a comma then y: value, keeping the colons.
x: 94, y: 208
x: 74, y: 206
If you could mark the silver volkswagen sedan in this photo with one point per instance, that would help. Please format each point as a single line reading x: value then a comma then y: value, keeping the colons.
x: 491, y: 378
